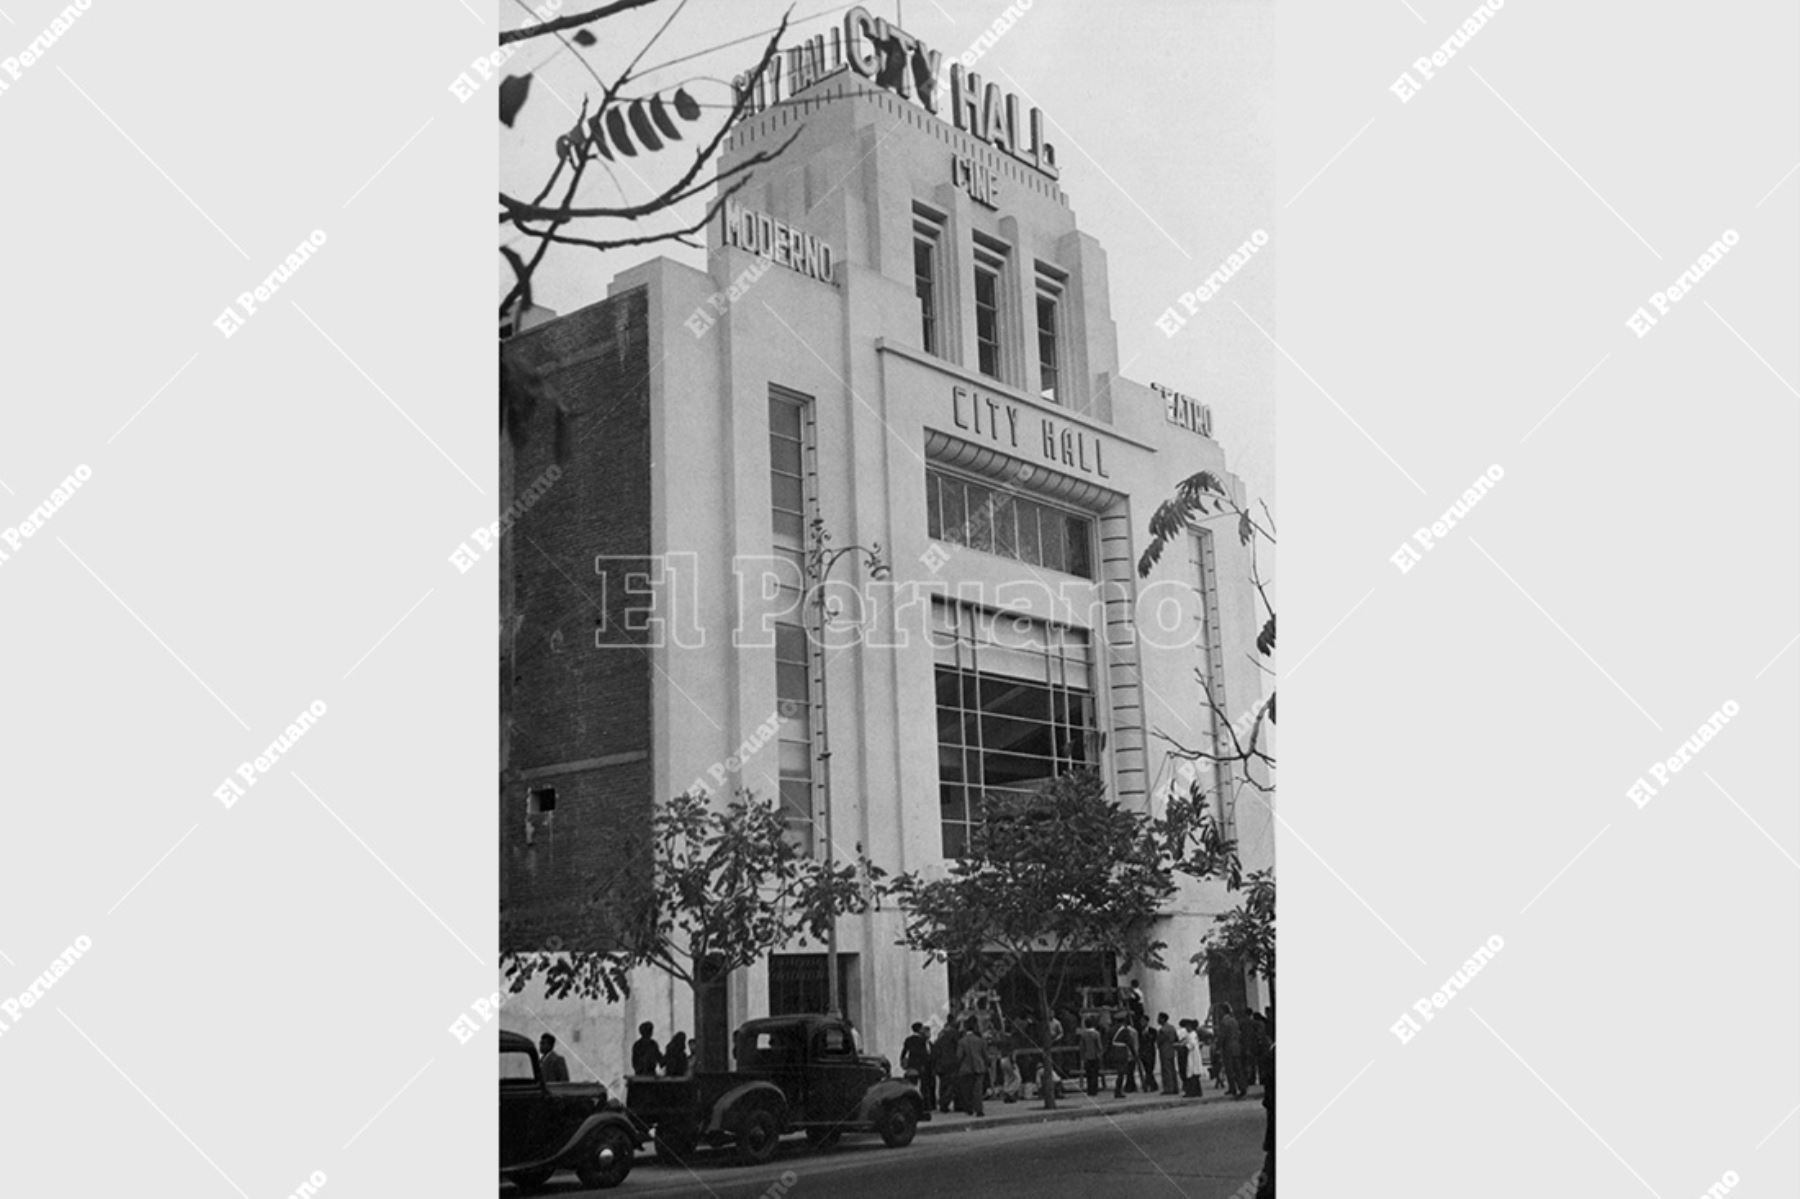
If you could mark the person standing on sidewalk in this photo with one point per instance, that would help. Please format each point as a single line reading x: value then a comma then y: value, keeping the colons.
x: 943, y: 1060
x: 915, y: 1061
x: 1231, y: 1050
x: 1091, y: 1051
x: 1146, y: 1051
x: 1165, y: 1053
x: 646, y: 1054
x: 1125, y: 1047
x: 972, y: 1067
x: 1256, y: 1039
x: 1188, y: 1056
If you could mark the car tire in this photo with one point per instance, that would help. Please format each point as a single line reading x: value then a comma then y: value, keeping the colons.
x: 757, y: 1136
x: 824, y: 1138
x: 899, y: 1123
x: 606, y: 1159
x: 532, y: 1182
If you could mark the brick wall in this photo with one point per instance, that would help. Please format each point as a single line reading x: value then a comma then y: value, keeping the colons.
x: 576, y: 717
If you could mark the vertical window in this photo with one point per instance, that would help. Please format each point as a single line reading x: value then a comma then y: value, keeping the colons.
x: 1050, y: 286
x: 1015, y: 709
x: 790, y: 513
x: 987, y: 320
x: 994, y: 319
x: 928, y: 242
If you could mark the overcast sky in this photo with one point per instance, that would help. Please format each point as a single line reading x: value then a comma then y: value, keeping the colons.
x: 1161, y: 111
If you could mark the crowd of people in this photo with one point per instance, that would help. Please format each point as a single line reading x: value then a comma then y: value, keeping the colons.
x: 978, y: 1056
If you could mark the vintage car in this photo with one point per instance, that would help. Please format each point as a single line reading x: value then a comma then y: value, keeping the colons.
x: 551, y: 1126
x: 794, y: 1074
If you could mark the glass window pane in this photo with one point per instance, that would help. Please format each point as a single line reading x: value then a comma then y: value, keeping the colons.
x: 796, y: 759
x: 950, y: 765
x: 1006, y: 538
x: 1055, y: 553
x: 796, y: 798
x: 980, y: 517
x: 1014, y: 770
x: 790, y: 681
x: 952, y: 500
x: 788, y: 493
x: 1008, y: 697
x: 1030, y: 546
x: 789, y: 526
x: 796, y: 721
x: 784, y: 455
x: 784, y: 418
x: 1080, y: 537
x: 934, y: 512
x: 1016, y: 736
x: 790, y: 643
x: 952, y: 804
x: 956, y: 840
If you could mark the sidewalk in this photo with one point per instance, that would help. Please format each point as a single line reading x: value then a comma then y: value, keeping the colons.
x: 1075, y: 1105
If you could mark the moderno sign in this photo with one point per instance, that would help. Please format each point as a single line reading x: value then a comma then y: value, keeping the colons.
x: 767, y: 237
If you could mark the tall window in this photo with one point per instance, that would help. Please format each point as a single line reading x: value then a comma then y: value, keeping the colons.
x: 994, y: 521
x: 1015, y: 709
x: 990, y: 309
x: 1049, y: 335
x: 927, y: 276
x: 790, y: 510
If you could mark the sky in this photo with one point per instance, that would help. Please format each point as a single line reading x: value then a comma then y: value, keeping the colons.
x: 1161, y: 111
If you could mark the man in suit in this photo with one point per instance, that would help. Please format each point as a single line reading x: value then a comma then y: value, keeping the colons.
x: 972, y: 1067
x: 1125, y: 1046
x: 555, y: 1069
x: 1231, y: 1049
x: 915, y: 1056
x: 1091, y: 1053
x: 1165, y: 1053
x: 943, y: 1060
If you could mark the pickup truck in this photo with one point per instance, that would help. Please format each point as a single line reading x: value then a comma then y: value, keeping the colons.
x: 794, y: 1074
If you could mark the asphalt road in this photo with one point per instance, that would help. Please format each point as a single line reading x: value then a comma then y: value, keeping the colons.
x: 1198, y: 1153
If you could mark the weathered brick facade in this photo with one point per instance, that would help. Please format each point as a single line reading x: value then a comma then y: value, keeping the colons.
x: 576, y: 718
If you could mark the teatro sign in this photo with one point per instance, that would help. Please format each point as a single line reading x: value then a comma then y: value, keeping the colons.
x: 893, y: 59
x: 1001, y: 422
x: 1185, y: 411
x: 768, y: 238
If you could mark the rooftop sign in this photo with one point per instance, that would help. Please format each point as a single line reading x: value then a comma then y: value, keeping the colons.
x: 1185, y: 411
x: 893, y: 59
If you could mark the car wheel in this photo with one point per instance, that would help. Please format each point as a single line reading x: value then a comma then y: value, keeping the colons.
x: 674, y: 1148
x: 824, y: 1138
x: 607, y: 1158
x: 757, y: 1137
x: 534, y: 1181
x: 899, y: 1121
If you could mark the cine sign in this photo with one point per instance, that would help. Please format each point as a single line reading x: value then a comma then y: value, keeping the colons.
x: 768, y: 238
x: 1185, y: 411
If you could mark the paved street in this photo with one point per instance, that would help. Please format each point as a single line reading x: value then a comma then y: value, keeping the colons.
x: 1201, y: 1151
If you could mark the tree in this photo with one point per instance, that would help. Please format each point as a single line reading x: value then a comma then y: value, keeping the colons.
x: 1244, y: 937
x: 721, y: 888
x: 605, y: 128
x: 1057, y: 872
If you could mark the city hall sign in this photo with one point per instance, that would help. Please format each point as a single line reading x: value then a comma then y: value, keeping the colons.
x: 1001, y: 422
x: 893, y: 59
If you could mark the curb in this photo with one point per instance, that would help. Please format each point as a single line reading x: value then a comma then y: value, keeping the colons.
x: 1038, y: 1115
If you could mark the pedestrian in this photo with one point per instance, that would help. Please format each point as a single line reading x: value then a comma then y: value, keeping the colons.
x: 645, y: 1056
x: 972, y: 1067
x: 915, y: 1060
x: 1146, y: 1052
x: 554, y: 1068
x: 944, y: 1056
x: 1165, y: 1053
x: 1090, y: 1055
x: 1255, y: 1039
x: 1125, y: 1049
x: 1231, y: 1049
x: 675, y: 1056
x: 1134, y: 998
x: 1188, y: 1052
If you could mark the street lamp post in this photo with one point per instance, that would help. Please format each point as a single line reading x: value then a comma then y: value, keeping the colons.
x: 822, y: 560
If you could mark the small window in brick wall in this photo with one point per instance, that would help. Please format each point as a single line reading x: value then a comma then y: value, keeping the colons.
x: 540, y: 809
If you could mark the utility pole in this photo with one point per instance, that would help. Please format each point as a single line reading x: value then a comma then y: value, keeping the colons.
x: 820, y: 562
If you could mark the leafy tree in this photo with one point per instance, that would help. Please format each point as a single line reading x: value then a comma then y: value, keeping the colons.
x: 1244, y: 937
x: 721, y: 888
x: 1057, y: 872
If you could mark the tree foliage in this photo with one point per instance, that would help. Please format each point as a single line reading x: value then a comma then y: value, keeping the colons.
x: 1244, y: 937
x: 1060, y: 871
x: 720, y: 888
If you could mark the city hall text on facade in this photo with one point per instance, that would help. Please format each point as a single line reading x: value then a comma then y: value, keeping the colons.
x: 936, y: 371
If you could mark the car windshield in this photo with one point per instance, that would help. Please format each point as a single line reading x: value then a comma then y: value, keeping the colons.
x: 515, y: 1065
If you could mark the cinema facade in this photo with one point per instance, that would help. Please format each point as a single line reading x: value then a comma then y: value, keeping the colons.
x: 901, y: 333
